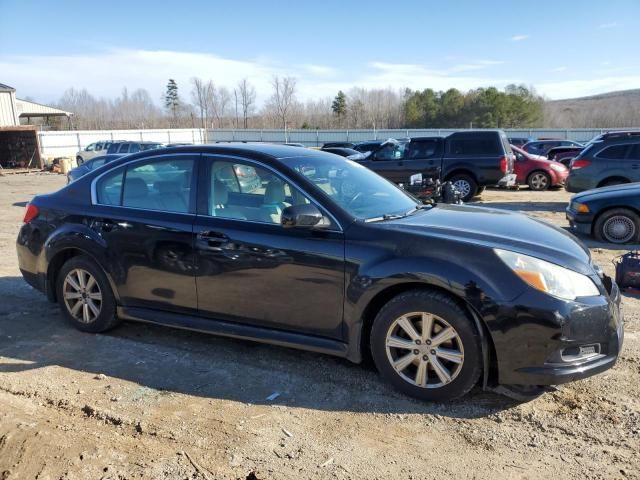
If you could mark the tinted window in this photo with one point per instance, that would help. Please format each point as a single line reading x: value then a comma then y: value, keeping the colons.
x: 635, y: 152
x: 98, y: 146
x: 245, y: 192
x: 109, y: 188
x: 420, y: 149
x: 124, y: 148
x: 149, y: 146
x: 134, y: 147
x: 96, y: 164
x: 614, y: 152
x: 474, y: 146
x: 159, y: 185
x: 90, y: 147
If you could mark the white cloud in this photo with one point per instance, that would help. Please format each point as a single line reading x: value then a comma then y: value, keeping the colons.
x: 608, y: 25
x: 104, y: 74
x: 519, y: 38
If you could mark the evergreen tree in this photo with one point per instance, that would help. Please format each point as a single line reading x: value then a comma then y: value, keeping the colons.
x: 339, y: 106
x: 172, y: 100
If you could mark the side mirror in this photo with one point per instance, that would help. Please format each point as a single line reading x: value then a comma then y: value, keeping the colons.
x: 303, y: 216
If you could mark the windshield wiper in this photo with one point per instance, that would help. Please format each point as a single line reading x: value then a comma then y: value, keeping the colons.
x: 417, y: 208
x: 385, y: 216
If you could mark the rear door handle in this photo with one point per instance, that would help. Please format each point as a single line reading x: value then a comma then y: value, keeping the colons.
x: 107, y: 225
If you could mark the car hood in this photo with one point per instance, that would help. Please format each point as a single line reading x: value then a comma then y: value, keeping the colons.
x: 615, y: 191
x: 495, y: 228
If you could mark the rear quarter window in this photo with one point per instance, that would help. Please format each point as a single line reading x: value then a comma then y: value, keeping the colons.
x: 614, y: 152
x: 109, y: 188
x: 475, y: 146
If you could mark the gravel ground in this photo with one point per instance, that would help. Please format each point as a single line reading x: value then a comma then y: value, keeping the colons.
x: 149, y: 402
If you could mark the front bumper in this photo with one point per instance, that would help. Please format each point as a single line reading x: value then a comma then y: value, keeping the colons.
x: 572, y: 341
x: 509, y: 180
x: 579, y: 222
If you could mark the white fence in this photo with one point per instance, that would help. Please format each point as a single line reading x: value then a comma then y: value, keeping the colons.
x: 67, y: 143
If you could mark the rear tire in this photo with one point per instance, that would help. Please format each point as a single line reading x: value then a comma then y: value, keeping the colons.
x: 85, y: 296
x: 619, y: 225
x: 466, y: 185
x: 448, y: 362
x: 539, y: 181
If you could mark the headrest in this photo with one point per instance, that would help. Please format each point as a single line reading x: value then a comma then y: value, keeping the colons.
x: 220, y: 193
x: 135, y: 187
x: 274, y: 193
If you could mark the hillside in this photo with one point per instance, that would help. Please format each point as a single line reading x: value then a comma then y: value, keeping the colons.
x: 612, y: 109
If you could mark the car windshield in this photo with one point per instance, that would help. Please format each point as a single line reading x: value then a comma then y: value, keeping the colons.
x: 358, y: 190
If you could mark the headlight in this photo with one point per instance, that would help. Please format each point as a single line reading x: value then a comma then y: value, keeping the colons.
x: 580, y: 207
x: 548, y: 277
x: 558, y: 167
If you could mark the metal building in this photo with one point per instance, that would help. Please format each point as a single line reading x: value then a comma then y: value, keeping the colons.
x: 8, y: 109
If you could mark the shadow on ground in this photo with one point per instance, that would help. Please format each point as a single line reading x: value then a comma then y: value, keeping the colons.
x: 34, y: 335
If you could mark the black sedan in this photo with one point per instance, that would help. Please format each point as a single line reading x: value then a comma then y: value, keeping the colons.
x: 324, y: 255
x: 90, y: 165
x: 611, y: 214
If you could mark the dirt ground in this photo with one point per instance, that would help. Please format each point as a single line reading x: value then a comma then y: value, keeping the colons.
x: 150, y: 402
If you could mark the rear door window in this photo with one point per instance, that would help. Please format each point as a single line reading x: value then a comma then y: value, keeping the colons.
x: 134, y: 147
x: 124, y: 148
x: 614, y: 152
x: 421, y: 149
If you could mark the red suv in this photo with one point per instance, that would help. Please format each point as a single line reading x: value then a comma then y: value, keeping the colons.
x: 538, y: 172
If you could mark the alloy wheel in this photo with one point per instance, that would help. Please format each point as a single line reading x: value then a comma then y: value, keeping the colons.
x: 619, y: 229
x: 539, y: 181
x: 424, y: 350
x: 463, y: 187
x: 82, y: 295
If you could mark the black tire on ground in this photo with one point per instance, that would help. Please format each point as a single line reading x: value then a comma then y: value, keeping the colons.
x: 539, y: 180
x: 79, y: 160
x: 106, y: 319
x: 467, y: 186
x: 618, y: 225
x: 467, y: 342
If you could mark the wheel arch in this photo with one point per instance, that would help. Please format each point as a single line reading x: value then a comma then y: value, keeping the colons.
x: 608, y: 208
x: 372, y: 308
x: 461, y: 171
x: 603, y: 182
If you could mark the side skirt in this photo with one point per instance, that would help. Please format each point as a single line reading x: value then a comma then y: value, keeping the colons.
x: 235, y: 330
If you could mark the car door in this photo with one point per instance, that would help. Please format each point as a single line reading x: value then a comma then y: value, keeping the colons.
x: 387, y: 161
x: 145, y: 211
x: 250, y: 268
x: 613, y: 162
x: 421, y: 156
x: 633, y: 159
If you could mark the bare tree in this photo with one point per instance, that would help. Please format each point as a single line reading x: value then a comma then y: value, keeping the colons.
x: 283, y: 98
x: 199, y: 97
x: 235, y: 99
x: 247, y: 100
x: 221, y: 99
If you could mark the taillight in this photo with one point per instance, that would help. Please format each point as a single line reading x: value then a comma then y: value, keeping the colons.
x: 31, y: 213
x: 576, y: 164
x: 504, y: 164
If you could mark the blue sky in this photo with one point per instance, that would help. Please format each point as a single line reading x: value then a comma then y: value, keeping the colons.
x: 563, y: 48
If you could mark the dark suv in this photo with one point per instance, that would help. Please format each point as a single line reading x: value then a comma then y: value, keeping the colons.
x: 471, y: 160
x: 609, y: 159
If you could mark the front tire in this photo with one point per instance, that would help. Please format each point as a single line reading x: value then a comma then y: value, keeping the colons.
x: 619, y: 225
x: 85, y: 296
x: 466, y: 185
x: 426, y: 345
x: 539, y: 181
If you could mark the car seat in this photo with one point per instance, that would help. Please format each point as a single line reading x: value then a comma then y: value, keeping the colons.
x: 274, y: 202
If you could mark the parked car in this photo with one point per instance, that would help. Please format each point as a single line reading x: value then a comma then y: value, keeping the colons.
x: 611, y: 214
x: 349, y: 153
x: 520, y: 141
x: 132, y: 147
x: 541, y: 147
x: 537, y: 172
x: 564, y: 155
x: 337, y: 145
x: 471, y: 160
x: 88, y: 166
x: 328, y: 257
x: 609, y: 159
x: 93, y: 150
